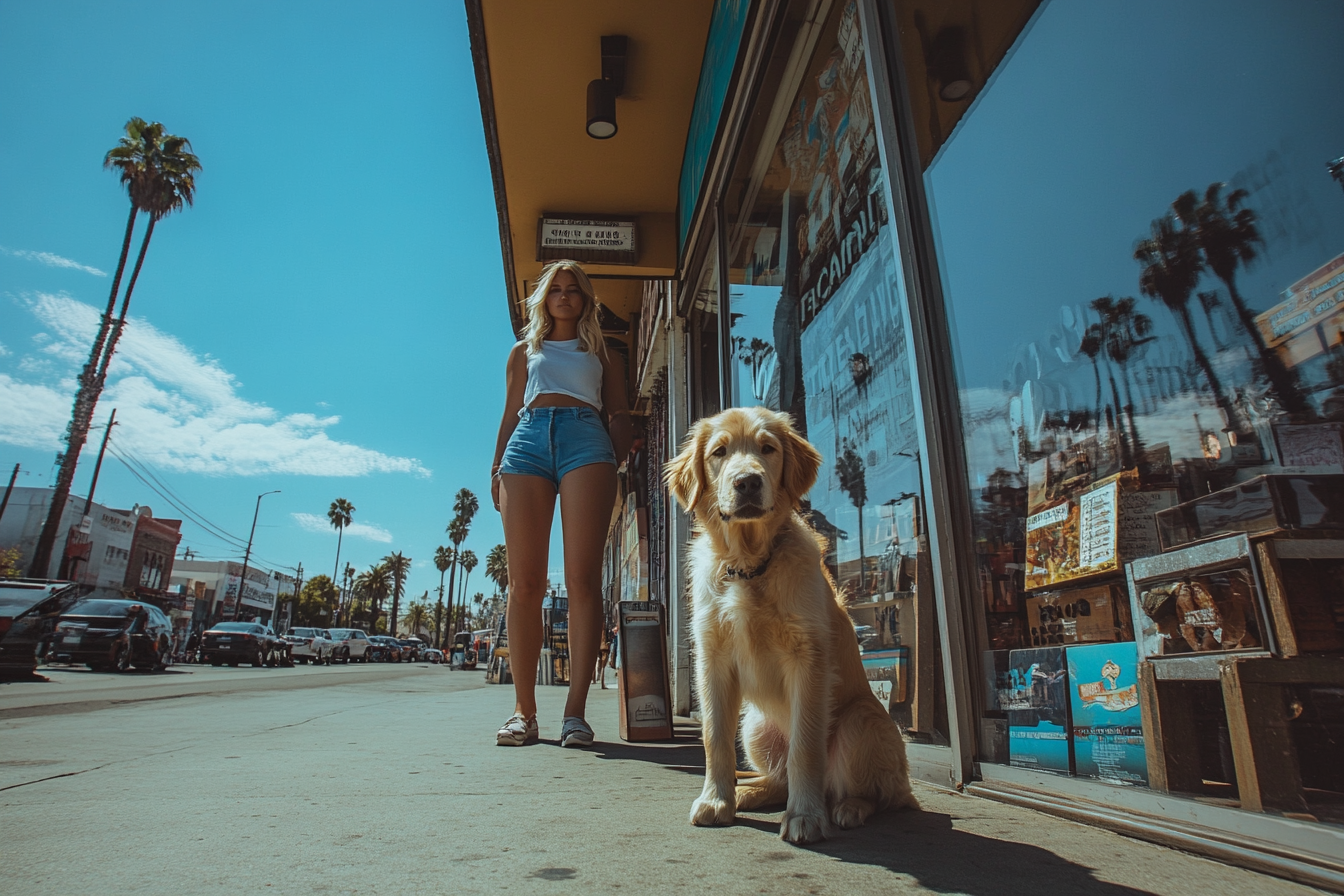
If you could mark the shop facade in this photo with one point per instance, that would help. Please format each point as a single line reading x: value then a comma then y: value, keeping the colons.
x: 1057, y: 289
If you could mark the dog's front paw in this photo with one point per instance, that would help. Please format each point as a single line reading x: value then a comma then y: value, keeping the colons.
x: 800, y: 828
x: 708, y: 811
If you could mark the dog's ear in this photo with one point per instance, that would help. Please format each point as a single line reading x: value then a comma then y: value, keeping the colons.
x: 685, y: 473
x: 801, y: 460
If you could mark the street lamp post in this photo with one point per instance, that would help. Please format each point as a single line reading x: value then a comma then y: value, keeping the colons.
x: 247, y: 555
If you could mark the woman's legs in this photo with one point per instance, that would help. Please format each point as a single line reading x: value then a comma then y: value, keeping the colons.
x: 587, y: 496
x: 527, y: 504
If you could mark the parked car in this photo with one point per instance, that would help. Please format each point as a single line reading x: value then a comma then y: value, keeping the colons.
x: 352, y: 644
x: 29, y: 611
x: 240, y: 642
x: 384, y: 649
x: 311, y: 645
x: 410, y: 649
x: 114, y: 634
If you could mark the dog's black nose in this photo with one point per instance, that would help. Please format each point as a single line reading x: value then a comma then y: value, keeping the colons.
x: 748, y: 485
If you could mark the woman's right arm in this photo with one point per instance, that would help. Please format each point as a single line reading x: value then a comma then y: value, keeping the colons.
x: 516, y: 379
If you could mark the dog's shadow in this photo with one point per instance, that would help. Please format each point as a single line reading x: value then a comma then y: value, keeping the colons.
x: 924, y: 845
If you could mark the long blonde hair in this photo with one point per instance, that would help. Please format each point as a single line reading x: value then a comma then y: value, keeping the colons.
x: 539, y: 323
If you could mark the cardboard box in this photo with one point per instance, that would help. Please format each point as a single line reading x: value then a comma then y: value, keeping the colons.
x: 1038, y: 710
x: 1078, y: 616
x: 1105, y: 721
x: 1265, y: 504
x: 1095, y: 532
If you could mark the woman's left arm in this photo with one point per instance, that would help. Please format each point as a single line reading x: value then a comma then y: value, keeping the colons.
x: 616, y: 405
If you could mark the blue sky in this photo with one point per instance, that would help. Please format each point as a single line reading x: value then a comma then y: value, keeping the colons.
x: 328, y: 320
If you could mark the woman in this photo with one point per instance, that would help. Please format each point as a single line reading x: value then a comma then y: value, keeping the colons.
x: 552, y: 441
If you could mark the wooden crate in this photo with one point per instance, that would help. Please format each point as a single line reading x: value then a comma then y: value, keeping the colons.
x: 1304, y: 593
x: 1257, y: 709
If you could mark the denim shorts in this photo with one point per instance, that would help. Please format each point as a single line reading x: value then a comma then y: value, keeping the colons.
x: 549, y: 442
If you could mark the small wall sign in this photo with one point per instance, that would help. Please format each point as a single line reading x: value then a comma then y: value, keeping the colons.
x: 588, y: 238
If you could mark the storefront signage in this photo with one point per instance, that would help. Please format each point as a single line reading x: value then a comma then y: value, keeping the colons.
x: 1307, y: 302
x: 588, y: 239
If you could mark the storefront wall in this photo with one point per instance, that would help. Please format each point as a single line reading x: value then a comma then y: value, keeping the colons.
x: 954, y: 241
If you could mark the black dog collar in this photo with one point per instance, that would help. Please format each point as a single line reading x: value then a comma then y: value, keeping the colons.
x: 733, y: 573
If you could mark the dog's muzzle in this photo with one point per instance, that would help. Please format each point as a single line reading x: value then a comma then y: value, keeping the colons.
x: 747, y: 498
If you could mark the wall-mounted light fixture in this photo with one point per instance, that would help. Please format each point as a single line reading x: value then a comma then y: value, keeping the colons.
x: 602, y: 93
x: 947, y: 63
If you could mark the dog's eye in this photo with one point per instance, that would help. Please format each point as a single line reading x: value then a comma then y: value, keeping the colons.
x: 767, y: 448
x: 721, y: 451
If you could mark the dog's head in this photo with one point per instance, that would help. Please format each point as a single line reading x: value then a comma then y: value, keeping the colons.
x: 742, y: 465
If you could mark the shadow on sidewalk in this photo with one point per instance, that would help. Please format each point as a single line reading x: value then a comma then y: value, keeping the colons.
x: 927, y: 847
x: 681, y: 755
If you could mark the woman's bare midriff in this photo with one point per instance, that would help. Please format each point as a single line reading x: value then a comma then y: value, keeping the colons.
x: 559, y: 400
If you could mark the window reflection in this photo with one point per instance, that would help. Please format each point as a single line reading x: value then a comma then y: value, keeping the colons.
x: 816, y: 331
x: 1142, y: 250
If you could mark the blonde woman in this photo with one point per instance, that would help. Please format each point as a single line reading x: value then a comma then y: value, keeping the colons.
x: 552, y: 441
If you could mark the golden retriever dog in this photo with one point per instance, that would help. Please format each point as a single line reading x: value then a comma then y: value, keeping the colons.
x: 772, y: 633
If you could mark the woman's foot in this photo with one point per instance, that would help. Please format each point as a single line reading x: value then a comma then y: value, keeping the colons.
x: 575, y: 732
x: 518, y: 731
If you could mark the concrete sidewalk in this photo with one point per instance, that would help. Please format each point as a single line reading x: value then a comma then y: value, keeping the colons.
x: 394, y: 785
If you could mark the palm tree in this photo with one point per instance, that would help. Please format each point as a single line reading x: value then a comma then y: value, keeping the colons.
x: 497, y: 567
x: 157, y: 170
x: 416, y: 619
x: 443, y: 559
x: 341, y: 512
x: 465, y: 505
x: 399, y: 565
x: 1227, y: 234
x: 467, y: 559
x: 1092, y: 347
x: 374, y: 584
x: 1125, y: 332
x: 1208, y: 300
x: 457, y: 533
x: 849, y: 467
x: 1171, y: 269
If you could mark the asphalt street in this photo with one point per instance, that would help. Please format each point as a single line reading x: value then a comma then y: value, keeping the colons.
x: 385, y: 779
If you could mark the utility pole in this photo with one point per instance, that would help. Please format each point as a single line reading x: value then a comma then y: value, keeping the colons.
x: 5, y: 503
x: 111, y: 422
x: 247, y: 555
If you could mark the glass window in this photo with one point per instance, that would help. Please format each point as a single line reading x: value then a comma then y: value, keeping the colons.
x: 702, y: 342
x: 1141, y: 238
x: 816, y: 331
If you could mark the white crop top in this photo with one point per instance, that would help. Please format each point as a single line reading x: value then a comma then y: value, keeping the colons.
x: 562, y: 368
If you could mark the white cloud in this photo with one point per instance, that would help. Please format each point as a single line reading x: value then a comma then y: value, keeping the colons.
x: 51, y: 260
x: 177, y: 410
x: 311, y: 522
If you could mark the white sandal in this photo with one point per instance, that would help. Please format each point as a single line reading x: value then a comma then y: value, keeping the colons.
x: 518, y: 731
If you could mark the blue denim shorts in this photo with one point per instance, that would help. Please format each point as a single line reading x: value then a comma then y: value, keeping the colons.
x: 549, y: 442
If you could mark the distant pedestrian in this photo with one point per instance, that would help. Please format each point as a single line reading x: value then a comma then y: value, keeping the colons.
x: 566, y: 423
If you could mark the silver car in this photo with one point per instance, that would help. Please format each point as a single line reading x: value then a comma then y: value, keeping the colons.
x: 311, y: 645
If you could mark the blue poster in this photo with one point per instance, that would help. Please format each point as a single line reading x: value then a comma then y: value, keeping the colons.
x: 1037, y: 703
x: 1106, y: 724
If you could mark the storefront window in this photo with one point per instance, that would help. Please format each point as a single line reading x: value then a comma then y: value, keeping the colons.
x: 702, y: 338
x: 1140, y: 233
x: 816, y: 331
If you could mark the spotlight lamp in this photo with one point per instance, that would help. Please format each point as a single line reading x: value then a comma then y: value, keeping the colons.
x: 602, y: 92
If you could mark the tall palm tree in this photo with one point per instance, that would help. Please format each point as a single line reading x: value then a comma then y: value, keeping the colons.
x: 399, y: 565
x: 443, y: 559
x: 465, y: 505
x: 457, y: 533
x: 849, y: 467
x: 1228, y: 233
x: 467, y: 559
x: 1171, y: 268
x: 497, y: 567
x: 158, y: 171
x: 1098, y: 333
x: 340, y: 513
x: 1092, y: 346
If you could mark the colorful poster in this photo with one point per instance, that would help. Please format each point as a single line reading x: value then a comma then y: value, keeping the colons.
x: 1106, y: 725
